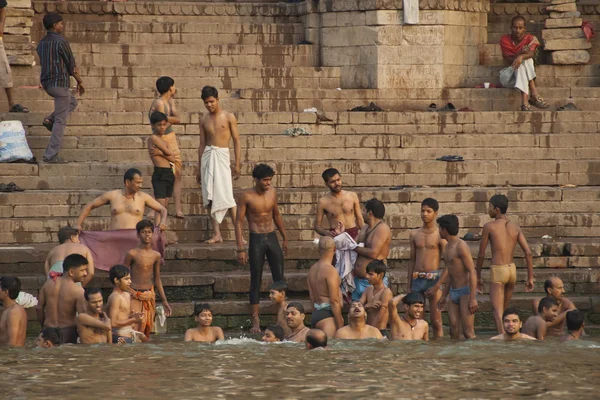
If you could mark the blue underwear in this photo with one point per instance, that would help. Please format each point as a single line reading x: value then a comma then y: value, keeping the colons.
x: 456, y: 294
x: 362, y: 284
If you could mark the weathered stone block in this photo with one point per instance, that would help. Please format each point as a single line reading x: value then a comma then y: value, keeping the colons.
x: 571, y: 14
x: 423, y: 35
x: 567, y: 44
x: 562, y: 33
x: 384, y: 17
x: 566, y: 57
x: 563, y: 7
x: 563, y: 22
x: 555, y: 2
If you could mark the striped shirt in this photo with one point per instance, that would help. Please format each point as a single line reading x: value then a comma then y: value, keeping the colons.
x: 57, y: 61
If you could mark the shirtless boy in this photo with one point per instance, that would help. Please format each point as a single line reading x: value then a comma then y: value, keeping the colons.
x: 409, y: 326
x: 377, y: 297
x: 462, y: 284
x: 203, y: 332
x: 357, y: 327
x: 68, y: 238
x: 555, y: 288
x: 376, y: 236
x: 215, y: 170
x: 163, y: 158
x: 165, y: 104
x: 504, y: 235
x: 92, y: 335
x: 324, y: 289
x: 119, y: 308
x: 424, y: 274
x: 273, y: 333
x: 13, y: 322
x: 259, y: 206
x: 145, y: 274
x: 537, y: 326
x: 341, y: 207
x: 512, y: 327
x: 294, y: 318
x: 277, y: 293
x: 575, y: 324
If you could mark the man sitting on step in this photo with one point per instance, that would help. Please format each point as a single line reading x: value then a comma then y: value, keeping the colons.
x: 518, y: 51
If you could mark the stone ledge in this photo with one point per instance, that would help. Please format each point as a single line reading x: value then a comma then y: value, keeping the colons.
x: 512, y: 9
x: 367, y: 5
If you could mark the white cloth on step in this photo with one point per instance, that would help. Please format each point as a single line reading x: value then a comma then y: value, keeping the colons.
x: 345, y: 258
x: 217, y: 185
x: 410, y: 9
x: 509, y: 78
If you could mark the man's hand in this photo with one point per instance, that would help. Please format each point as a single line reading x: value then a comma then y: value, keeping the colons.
x: 242, y: 257
x: 168, y: 309
x: 163, y: 227
x: 80, y: 89
x: 517, y: 62
x: 137, y: 317
x: 480, y: 286
x: 441, y: 304
x: 473, y: 306
x: 79, y: 228
x: 235, y: 172
x: 285, y: 247
x: 376, y: 305
x: 432, y: 291
x: 529, y: 285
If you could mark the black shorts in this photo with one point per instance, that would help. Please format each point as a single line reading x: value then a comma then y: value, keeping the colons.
x: 163, y: 180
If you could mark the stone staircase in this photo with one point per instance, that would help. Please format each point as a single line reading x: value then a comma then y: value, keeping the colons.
x: 252, y: 52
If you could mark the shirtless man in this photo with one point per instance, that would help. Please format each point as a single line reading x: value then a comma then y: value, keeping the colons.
x: 324, y: 289
x: 92, y: 335
x: 537, y: 325
x: 203, y: 332
x: 377, y: 297
x: 357, y: 327
x: 341, y: 207
x: 512, y: 327
x: 376, y: 235
x: 411, y: 325
x: 217, y: 129
x: 127, y: 205
x: 277, y: 293
x: 575, y: 324
x: 555, y: 288
x: 259, y: 206
x: 13, y: 322
x: 503, y: 236
x: 294, y: 318
x: 68, y: 238
x: 424, y: 274
x: 119, y: 308
x: 462, y: 284
x: 316, y: 339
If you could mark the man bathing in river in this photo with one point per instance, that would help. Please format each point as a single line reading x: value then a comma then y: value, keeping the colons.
x: 575, y: 324
x: 316, y: 339
x: 277, y: 295
x: 504, y: 235
x: 273, y: 333
x: 341, y: 207
x: 13, y: 323
x: 204, y: 332
x: 377, y: 297
x: 424, y: 274
x: 537, y: 325
x: 411, y: 325
x: 357, y: 327
x: 512, y: 327
x: 90, y: 334
x: 295, y: 321
x: 259, y: 206
x: 324, y: 289
x: 119, y: 308
x: 68, y: 238
x: 555, y: 289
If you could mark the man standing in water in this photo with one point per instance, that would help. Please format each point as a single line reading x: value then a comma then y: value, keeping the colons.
x: 217, y: 129
x: 503, y: 235
x: 357, y: 327
x: 92, y: 334
x: 294, y: 318
x: 13, y: 323
x: 409, y: 326
x: 555, y: 289
x: 424, y: 274
x: 512, y: 327
x: 259, y: 206
x: 68, y: 238
x: 341, y: 207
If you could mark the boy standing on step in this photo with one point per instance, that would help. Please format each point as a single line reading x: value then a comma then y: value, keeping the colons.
x: 163, y: 158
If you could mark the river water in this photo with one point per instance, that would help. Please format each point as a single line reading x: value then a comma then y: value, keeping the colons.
x: 168, y: 368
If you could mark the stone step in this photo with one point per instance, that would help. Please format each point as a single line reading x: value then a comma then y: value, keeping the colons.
x: 547, y: 75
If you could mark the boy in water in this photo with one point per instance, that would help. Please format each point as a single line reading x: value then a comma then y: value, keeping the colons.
x: 537, y: 326
x: 119, y: 308
x: 409, y: 326
x: 204, y: 332
x: 575, y: 324
x: 277, y: 296
x: 376, y: 297
x: 163, y: 158
x: 145, y: 273
x: 463, y: 281
x: 90, y: 334
x: 273, y: 333
x: 47, y: 338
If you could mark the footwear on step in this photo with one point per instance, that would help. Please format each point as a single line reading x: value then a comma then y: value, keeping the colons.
x: 538, y: 102
x: 55, y: 160
x: 526, y: 107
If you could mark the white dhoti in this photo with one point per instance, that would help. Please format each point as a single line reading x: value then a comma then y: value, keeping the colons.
x: 509, y: 78
x: 217, y: 185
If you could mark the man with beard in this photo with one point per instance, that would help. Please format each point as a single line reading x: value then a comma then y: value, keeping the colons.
x: 512, y: 325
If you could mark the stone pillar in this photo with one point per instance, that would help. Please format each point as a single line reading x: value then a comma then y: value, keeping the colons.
x: 17, y: 32
x: 375, y: 49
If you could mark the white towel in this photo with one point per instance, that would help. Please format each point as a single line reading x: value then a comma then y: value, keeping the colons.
x: 411, y: 12
x: 26, y: 300
x: 217, y: 185
x: 345, y: 259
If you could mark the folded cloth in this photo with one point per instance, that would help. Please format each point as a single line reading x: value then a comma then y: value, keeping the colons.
x: 345, y: 258
x: 26, y: 300
x: 511, y: 49
x: 144, y: 301
x: 54, y: 275
x: 588, y: 30
x: 109, y: 248
x: 217, y: 186
x: 411, y: 11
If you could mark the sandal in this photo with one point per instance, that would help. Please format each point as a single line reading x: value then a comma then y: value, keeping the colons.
x: 568, y: 107
x: 48, y: 124
x: 538, y: 102
x: 17, y: 108
x: 526, y: 107
x: 432, y: 107
x: 448, y: 107
x: 11, y: 187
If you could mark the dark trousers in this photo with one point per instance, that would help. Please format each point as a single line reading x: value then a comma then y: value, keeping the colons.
x: 261, y: 246
x: 64, y: 104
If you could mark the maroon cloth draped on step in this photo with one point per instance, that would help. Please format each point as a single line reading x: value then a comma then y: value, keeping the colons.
x: 110, y: 247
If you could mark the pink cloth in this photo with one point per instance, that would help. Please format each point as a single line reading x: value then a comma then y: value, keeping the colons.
x: 110, y: 247
x: 588, y: 30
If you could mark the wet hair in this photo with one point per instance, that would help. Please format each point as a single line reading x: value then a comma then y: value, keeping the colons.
x: 517, y: 18
x: 510, y: 311
x: 449, y: 223
x: 12, y: 284
x: 316, y: 338
x: 157, y: 116
x: 51, y: 335
x: 164, y: 83
x: 209, y: 91
x: 50, y: 19
x: 198, y: 308
x: 277, y: 331
x: 500, y: 201
x: 575, y: 319
x: 298, y: 306
x: 280, y: 286
x: 413, y: 298
x: 377, y: 266
x: 329, y: 173
x: 131, y: 173
x: 90, y: 291
x: 118, y: 272
x: 376, y: 207
x: 547, y: 303
x: 74, y: 261
x: 262, y: 171
x: 431, y: 203
x: 66, y: 233
x: 145, y: 223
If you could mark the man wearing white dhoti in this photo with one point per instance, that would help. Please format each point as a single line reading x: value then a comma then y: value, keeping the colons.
x: 215, y: 172
x: 518, y: 50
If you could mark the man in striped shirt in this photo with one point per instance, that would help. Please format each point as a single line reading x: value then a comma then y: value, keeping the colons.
x: 58, y: 65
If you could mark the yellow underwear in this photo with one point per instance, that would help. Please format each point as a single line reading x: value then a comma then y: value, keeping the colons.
x: 503, y: 274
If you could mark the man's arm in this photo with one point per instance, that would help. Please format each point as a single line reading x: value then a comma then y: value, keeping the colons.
x: 237, y: 146
x: 163, y: 147
x: 88, y: 320
x: 567, y: 306
x: 47, y: 265
x: 159, y: 286
x: 114, y: 303
x: 467, y: 259
x: 426, y: 334
x: 528, y: 258
x: 174, y: 117
x: 242, y: 255
x: 318, y: 227
x: 360, y: 222
x: 219, y: 333
x: 393, y: 309
x: 379, y: 239
x: 279, y: 223
x: 41, y: 306
x: 485, y: 237
x: 99, y: 201
x: 90, y: 268
x: 333, y: 288
x: 201, y: 149
x: 188, y: 336
x: 160, y: 218
x: 411, y: 261
x: 69, y: 59
x: 386, y: 296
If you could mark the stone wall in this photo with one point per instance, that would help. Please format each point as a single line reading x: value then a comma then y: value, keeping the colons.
x: 17, y: 32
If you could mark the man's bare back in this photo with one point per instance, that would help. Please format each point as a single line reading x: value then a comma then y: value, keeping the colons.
x: 321, y: 277
x: 13, y: 326
x: 62, y: 300
x: 338, y: 208
x: 378, y: 238
x: 324, y: 290
x: 60, y: 252
x: 503, y: 236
